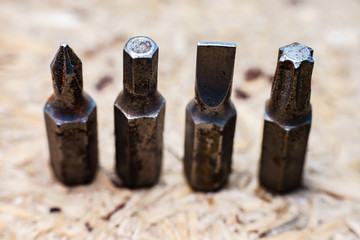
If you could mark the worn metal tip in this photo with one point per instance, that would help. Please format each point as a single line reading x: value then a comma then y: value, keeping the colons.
x: 66, y: 70
x: 290, y: 95
x: 214, y: 44
x: 296, y: 53
x: 64, y: 44
x: 141, y: 47
x: 140, y: 66
x: 214, y: 72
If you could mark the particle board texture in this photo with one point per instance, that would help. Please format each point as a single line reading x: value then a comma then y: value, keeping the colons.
x: 33, y: 205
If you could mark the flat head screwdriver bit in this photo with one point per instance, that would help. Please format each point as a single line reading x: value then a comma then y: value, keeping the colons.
x: 139, y: 116
x: 287, y: 120
x: 210, y: 118
x: 70, y: 117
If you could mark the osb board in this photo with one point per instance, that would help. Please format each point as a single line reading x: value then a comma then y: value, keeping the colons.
x: 327, y: 207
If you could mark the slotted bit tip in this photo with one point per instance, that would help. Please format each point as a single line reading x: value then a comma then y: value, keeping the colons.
x: 66, y: 70
x: 216, y: 44
x: 214, y: 72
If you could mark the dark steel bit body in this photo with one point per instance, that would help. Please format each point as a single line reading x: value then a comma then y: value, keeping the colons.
x: 210, y: 118
x: 287, y: 120
x: 139, y: 116
x: 70, y: 117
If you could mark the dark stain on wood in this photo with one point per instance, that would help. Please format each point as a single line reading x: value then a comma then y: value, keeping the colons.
x: 241, y: 94
x: 118, y: 207
x: 103, y: 82
x: 54, y: 210
x: 253, y: 74
x: 89, y: 227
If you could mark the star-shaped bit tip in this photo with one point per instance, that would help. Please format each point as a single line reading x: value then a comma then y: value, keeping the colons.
x: 297, y: 53
x: 290, y: 95
x: 66, y: 70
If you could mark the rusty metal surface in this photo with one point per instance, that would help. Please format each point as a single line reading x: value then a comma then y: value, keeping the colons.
x: 210, y: 118
x: 70, y: 117
x: 287, y: 120
x: 139, y: 116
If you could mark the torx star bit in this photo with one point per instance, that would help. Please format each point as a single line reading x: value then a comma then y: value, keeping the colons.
x: 70, y: 117
x: 139, y: 116
x: 210, y: 118
x: 287, y: 120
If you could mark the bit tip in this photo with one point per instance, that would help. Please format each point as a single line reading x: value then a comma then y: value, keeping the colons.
x: 140, y: 66
x: 216, y: 44
x: 141, y: 47
x: 64, y: 44
x: 66, y: 70
x: 296, y: 53
x: 290, y: 96
x: 214, y: 72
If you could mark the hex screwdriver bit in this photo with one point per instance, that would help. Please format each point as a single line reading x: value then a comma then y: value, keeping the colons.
x: 287, y: 120
x: 70, y: 117
x: 210, y: 118
x: 139, y: 116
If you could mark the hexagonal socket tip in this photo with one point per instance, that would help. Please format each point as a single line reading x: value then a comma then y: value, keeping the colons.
x: 140, y: 66
x: 290, y: 95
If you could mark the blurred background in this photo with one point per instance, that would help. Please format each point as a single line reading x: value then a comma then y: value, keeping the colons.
x: 33, y: 205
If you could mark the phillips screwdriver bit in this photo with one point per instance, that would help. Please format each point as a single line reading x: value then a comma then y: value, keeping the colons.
x: 70, y: 117
x: 210, y: 118
x: 139, y: 116
x: 287, y: 120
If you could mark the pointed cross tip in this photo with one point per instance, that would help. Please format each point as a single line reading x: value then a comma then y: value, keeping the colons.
x: 64, y: 65
x: 66, y: 58
x: 65, y: 49
x: 64, y: 45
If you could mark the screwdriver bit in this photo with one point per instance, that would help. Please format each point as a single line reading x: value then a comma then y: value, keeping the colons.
x: 70, y: 117
x: 210, y: 118
x: 139, y: 112
x: 287, y: 120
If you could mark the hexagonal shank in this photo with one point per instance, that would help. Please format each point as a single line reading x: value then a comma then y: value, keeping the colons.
x: 208, y: 148
x: 139, y: 143
x: 283, y: 154
x: 73, y: 149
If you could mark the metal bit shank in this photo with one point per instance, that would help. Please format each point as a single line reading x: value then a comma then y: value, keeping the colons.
x: 70, y: 117
x: 139, y: 116
x: 210, y: 118
x: 287, y: 120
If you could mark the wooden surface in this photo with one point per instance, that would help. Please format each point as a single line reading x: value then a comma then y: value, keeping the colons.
x: 33, y: 205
